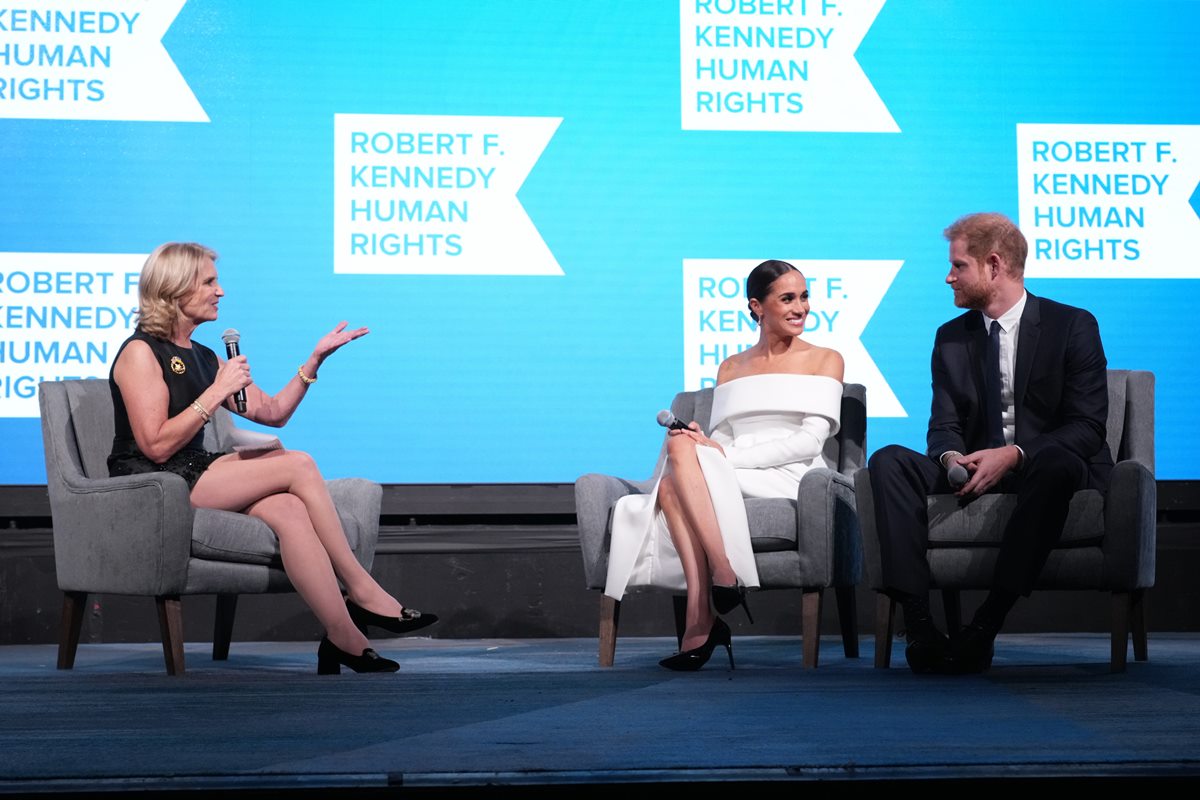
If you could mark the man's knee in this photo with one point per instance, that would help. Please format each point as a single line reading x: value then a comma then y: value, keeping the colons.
x: 889, y: 457
x: 1055, y: 464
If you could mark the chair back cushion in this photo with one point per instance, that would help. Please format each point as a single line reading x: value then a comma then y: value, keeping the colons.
x: 1132, y: 439
x: 1118, y: 380
x: 217, y: 434
x: 1131, y: 416
x: 83, y: 414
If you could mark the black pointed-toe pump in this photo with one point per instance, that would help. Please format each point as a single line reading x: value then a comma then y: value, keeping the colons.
x: 409, y: 620
x: 694, y: 659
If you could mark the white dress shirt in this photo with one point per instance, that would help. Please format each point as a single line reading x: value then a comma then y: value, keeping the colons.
x: 1010, y: 324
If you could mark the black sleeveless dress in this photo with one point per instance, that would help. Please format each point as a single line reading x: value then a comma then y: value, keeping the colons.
x: 187, y: 371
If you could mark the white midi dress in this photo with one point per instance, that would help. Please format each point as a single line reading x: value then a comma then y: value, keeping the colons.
x: 773, y: 429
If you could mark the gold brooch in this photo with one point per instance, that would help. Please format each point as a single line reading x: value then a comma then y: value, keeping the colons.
x: 177, y: 365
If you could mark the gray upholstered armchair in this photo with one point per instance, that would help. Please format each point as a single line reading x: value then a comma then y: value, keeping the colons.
x: 1108, y: 542
x: 139, y: 535
x: 809, y: 543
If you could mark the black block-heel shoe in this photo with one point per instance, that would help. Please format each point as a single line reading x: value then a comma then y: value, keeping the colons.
x: 409, y: 620
x: 692, y: 660
x: 727, y: 598
x: 331, y: 658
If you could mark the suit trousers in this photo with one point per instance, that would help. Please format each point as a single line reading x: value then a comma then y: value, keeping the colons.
x: 902, y: 479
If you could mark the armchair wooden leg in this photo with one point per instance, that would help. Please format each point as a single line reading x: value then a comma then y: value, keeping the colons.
x: 69, y: 627
x: 810, y: 626
x: 170, y: 625
x: 847, y: 605
x: 885, y: 611
x: 1122, y: 603
x: 1137, y: 608
x: 610, y: 615
x: 223, y: 627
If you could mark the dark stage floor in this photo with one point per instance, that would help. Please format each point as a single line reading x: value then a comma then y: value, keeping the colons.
x: 535, y: 717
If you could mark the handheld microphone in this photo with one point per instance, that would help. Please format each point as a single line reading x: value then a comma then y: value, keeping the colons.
x: 957, y: 475
x: 670, y: 421
x: 231, y: 338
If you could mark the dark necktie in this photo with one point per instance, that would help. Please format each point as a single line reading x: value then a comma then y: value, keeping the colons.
x: 991, y: 376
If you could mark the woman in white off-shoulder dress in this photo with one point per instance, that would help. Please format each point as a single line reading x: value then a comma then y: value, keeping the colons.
x: 774, y: 406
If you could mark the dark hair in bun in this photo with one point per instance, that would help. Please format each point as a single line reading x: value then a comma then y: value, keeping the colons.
x: 758, y: 283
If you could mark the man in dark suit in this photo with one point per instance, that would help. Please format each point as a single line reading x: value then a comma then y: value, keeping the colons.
x: 1020, y: 405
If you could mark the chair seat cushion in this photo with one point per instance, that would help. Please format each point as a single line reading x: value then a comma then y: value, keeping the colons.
x: 981, y: 522
x: 233, y: 537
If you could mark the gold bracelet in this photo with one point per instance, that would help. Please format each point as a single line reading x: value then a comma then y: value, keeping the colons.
x: 200, y: 409
x: 307, y: 380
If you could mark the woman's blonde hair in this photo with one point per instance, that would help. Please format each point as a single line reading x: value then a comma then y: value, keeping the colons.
x: 169, y: 275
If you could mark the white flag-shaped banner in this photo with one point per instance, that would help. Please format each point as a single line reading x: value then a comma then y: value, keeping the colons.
x: 93, y: 60
x: 843, y: 296
x: 65, y: 316
x: 1109, y: 201
x: 748, y: 66
x: 437, y: 195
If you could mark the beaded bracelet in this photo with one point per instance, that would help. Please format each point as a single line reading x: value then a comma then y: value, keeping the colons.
x: 201, y: 410
x: 307, y: 380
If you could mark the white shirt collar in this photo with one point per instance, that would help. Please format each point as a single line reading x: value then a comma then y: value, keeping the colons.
x: 1011, y: 317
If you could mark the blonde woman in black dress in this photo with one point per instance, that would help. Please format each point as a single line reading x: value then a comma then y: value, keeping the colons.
x: 165, y: 387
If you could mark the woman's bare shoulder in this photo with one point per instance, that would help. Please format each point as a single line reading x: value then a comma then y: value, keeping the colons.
x: 828, y: 362
x: 817, y: 360
x: 136, y: 360
x: 136, y: 350
x: 734, y: 366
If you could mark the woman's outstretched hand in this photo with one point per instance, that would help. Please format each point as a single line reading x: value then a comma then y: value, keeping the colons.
x: 335, y: 339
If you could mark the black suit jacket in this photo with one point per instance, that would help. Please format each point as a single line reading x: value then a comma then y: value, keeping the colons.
x: 1060, y: 391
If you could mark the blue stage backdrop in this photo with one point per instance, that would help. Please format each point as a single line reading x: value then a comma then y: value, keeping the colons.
x: 544, y: 210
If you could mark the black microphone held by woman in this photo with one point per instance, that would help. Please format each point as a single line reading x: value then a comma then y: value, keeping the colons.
x: 231, y: 338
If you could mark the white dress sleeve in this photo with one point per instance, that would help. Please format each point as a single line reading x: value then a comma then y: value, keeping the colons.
x: 804, y: 445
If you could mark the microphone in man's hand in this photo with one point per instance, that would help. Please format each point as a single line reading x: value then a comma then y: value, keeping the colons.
x: 231, y: 339
x: 957, y: 475
x: 670, y: 421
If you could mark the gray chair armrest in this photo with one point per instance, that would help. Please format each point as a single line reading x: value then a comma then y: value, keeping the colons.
x: 1129, y: 527
x: 595, y: 495
x: 827, y: 531
x: 126, y: 535
x: 358, y: 502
